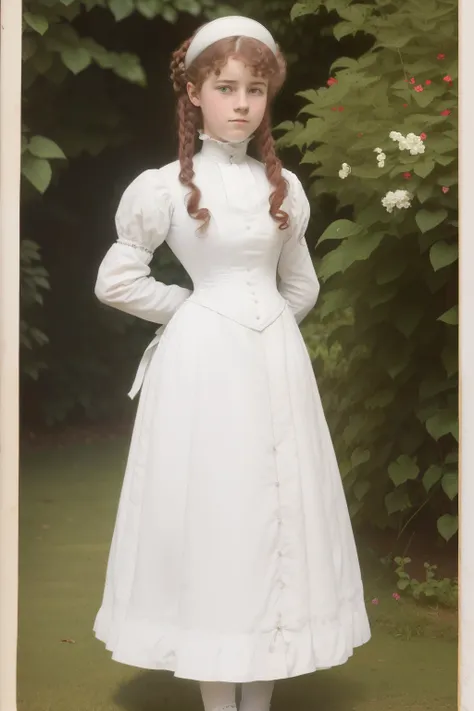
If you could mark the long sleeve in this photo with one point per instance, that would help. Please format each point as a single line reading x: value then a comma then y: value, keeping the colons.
x: 298, y: 281
x: 142, y: 222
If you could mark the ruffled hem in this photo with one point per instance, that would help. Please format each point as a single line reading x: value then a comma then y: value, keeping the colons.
x: 267, y: 655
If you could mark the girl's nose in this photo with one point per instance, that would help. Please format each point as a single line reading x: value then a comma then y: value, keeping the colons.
x: 242, y: 103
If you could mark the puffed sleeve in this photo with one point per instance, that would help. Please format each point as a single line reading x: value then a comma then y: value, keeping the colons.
x: 298, y: 281
x: 142, y: 222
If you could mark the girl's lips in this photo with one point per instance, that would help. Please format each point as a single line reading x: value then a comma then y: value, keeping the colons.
x: 239, y: 121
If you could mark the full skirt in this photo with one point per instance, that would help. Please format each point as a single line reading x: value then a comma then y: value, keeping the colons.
x: 233, y: 557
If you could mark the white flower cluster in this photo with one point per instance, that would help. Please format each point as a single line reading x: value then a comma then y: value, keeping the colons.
x: 411, y: 142
x: 345, y: 171
x: 398, y: 198
x: 380, y: 157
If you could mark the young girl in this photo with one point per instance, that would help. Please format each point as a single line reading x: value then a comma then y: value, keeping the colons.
x: 233, y: 558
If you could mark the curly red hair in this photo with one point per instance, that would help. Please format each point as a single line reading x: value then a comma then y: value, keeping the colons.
x: 263, y: 63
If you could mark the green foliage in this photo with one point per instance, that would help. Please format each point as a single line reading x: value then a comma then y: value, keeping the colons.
x: 432, y: 589
x: 78, y: 116
x: 393, y: 263
x: 34, y: 280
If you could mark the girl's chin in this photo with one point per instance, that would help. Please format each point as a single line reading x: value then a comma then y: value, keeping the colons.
x: 241, y: 129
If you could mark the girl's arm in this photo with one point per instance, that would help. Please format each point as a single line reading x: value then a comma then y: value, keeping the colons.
x: 142, y: 221
x: 298, y: 281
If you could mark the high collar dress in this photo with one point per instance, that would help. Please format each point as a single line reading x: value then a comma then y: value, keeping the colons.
x: 233, y: 556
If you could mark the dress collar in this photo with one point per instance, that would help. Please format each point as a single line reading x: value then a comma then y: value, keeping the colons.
x: 224, y: 151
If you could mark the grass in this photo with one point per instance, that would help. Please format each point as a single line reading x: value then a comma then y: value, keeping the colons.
x: 69, y: 495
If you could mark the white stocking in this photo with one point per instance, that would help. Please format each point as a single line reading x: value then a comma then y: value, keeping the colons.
x: 218, y: 695
x: 256, y: 695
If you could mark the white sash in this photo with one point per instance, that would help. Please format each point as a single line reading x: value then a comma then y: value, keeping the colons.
x: 145, y: 362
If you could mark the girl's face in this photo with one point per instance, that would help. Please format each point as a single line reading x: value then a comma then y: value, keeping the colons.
x: 233, y: 103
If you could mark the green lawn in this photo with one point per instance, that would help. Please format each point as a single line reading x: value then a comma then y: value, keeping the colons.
x: 69, y: 496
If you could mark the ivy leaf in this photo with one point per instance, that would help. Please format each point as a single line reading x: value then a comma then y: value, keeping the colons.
x: 360, y: 456
x: 450, y: 317
x: 429, y: 219
x: 38, y: 23
x: 442, y: 254
x: 300, y: 9
x: 447, y: 526
x: 148, y: 8
x: 42, y: 147
x: 37, y: 171
x: 382, y: 399
x: 169, y: 14
x: 424, y: 192
x: 128, y: 67
x: 442, y: 423
x: 76, y: 59
x: 424, y: 167
x: 360, y: 489
x: 396, y: 501
x: 449, y: 483
x: 121, y: 8
x: 432, y: 476
x: 403, y: 469
x: 340, y: 229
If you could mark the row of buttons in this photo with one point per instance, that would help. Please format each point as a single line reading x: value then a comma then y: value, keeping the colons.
x: 281, y: 584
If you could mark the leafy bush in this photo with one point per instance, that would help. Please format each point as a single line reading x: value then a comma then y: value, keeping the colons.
x: 386, y: 122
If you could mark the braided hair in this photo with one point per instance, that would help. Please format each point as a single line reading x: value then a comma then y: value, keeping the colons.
x: 264, y: 63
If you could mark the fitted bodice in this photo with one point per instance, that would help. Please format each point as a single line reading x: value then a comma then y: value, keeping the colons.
x: 233, y: 264
x: 243, y: 266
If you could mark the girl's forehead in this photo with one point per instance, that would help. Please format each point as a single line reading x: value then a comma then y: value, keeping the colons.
x: 236, y: 68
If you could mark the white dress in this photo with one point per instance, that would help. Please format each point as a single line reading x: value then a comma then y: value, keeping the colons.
x: 233, y: 557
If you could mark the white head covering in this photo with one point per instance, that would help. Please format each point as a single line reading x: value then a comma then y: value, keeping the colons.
x: 230, y: 26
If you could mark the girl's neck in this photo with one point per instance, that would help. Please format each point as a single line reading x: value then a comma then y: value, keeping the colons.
x: 224, y: 151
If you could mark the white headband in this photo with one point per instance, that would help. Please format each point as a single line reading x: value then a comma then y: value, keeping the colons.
x: 231, y: 26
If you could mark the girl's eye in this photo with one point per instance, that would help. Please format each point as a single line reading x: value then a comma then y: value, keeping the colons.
x: 223, y: 89
x: 256, y: 90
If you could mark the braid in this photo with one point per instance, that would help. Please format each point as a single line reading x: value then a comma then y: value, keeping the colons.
x: 273, y: 168
x: 188, y: 123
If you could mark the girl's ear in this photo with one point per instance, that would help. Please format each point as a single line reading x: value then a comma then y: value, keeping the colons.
x: 193, y: 94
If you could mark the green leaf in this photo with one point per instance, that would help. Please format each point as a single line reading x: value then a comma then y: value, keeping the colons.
x: 444, y: 422
x: 359, y: 456
x: 121, y: 8
x: 128, y: 67
x: 447, y: 526
x: 424, y: 192
x: 169, y: 14
x: 300, y: 9
x: 407, y: 320
x: 340, y: 229
x: 432, y: 476
x: 360, y: 489
x: 424, y: 167
x: 403, y: 469
x: 333, y: 300
x: 382, y: 399
x: 391, y: 269
x: 42, y: 147
x: 396, y: 501
x: 442, y: 254
x: 76, y: 59
x: 449, y: 357
x: 148, y: 8
x: 37, y: 171
x: 349, y: 252
x: 450, y: 317
x: 38, y: 23
x: 429, y: 219
x: 449, y: 484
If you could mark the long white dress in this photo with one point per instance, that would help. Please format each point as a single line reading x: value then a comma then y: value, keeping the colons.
x: 233, y: 557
